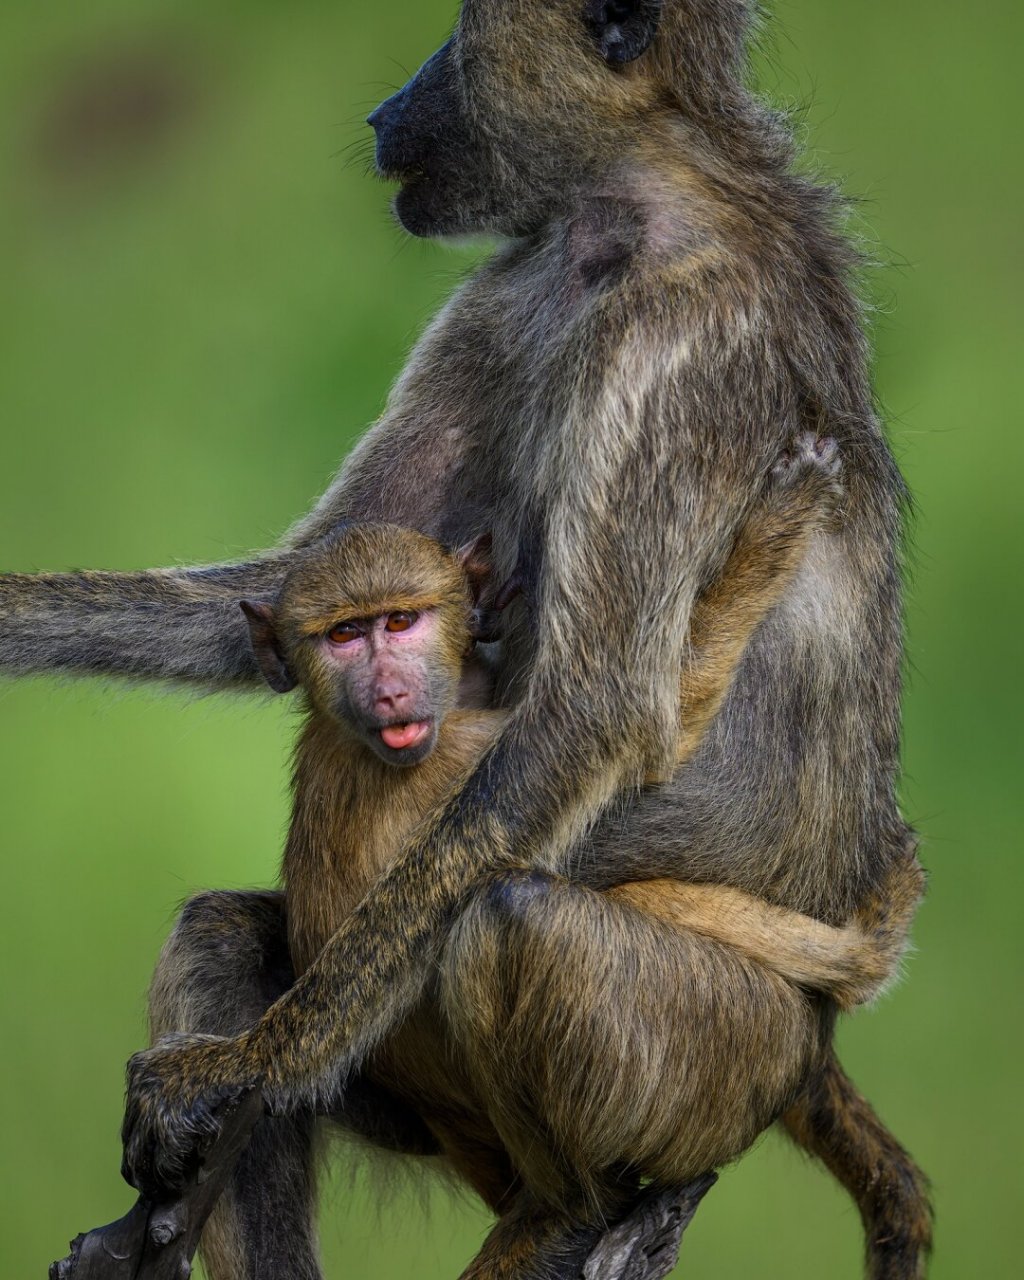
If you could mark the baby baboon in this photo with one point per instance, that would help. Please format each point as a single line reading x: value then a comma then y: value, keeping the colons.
x: 670, y: 306
x: 374, y: 624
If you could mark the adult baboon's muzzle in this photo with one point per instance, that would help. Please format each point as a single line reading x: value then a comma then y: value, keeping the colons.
x: 419, y: 123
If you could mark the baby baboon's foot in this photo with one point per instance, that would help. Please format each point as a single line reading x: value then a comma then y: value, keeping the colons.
x: 811, y: 469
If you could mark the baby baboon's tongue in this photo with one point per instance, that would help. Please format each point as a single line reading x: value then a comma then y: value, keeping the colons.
x: 397, y: 736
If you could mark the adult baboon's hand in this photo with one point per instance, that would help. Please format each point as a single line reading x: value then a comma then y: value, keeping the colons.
x: 178, y: 1095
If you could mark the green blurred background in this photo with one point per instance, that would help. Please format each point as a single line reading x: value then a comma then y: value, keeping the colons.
x: 202, y: 305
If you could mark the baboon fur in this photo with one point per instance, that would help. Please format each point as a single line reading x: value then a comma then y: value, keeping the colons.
x: 671, y: 306
x: 615, y: 1091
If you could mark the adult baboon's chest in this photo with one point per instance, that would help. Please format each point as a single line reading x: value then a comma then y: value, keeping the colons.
x: 516, y: 345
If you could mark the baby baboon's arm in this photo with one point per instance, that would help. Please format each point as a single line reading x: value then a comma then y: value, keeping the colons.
x: 803, y: 492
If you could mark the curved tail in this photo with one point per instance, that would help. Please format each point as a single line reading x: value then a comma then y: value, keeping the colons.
x: 851, y: 963
x: 177, y: 625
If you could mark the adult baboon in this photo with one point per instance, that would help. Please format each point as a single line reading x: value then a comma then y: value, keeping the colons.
x: 670, y: 309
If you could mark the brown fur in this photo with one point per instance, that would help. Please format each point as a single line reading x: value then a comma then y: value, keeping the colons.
x: 670, y: 307
x: 834, y: 1122
x: 448, y: 1061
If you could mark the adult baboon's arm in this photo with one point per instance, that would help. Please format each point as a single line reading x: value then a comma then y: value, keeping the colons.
x: 183, y: 625
x: 175, y: 625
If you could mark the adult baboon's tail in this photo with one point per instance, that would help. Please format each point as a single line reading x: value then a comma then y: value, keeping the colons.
x: 178, y: 625
x: 834, y: 1122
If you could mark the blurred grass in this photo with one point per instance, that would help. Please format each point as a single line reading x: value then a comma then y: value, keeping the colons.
x: 203, y: 305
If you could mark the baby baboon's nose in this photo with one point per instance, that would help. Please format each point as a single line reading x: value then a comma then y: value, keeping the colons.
x: 391, y: 700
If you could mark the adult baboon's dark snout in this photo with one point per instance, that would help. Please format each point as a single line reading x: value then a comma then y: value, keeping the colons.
x: 423, y: 143
x: 415, y: 123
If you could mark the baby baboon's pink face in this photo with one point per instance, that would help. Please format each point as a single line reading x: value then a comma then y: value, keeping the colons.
x: 384, y: 679
x: 374, y: 623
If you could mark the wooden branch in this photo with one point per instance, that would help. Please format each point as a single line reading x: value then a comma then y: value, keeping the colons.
x: 645, y: 1244
x: 158, y: 1240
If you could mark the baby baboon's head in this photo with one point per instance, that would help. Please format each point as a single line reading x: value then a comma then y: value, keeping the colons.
x: 373, y: 622
x: 532, y: 101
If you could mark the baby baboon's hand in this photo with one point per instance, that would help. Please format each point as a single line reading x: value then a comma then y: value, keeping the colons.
x: 811, y: 472
x: 178, y: 1095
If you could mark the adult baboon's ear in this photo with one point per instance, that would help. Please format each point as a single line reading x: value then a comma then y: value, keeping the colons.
x: 622, y: 29
x: 265, y: 645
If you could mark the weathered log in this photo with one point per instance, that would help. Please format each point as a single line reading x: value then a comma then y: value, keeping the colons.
x: 157, y: 1240
x: 645, y: 1244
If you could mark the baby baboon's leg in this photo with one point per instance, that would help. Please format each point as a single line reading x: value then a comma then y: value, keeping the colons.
x: 850, y: 964
x: 224, y: 964
x: 603, y: 1039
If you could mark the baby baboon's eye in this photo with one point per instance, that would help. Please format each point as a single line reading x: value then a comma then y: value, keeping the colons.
x: 344, y: 633
x: 400, y: 621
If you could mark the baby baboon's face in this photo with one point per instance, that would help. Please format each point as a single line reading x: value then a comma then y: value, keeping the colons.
x: 373, y: 623
x: 386, y: 679
x: 526, y: 102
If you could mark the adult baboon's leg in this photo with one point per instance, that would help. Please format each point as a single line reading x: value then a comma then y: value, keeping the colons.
x: 532, y: 1241
x: 605, y: 1038
x: 604, y: 1041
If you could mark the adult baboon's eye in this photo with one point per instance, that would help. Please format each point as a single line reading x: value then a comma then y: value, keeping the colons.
x: 343, y: 633
x: 400, y: 621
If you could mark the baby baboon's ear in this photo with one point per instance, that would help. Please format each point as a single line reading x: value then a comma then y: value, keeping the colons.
x: 265, y: 645
x: 622, y: 29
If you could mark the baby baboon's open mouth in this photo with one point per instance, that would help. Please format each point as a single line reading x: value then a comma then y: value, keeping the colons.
x: 401, y: 736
